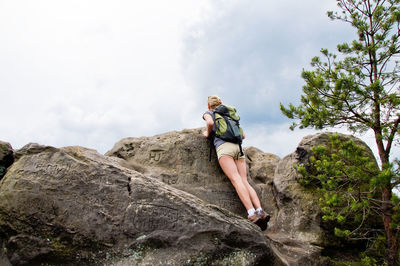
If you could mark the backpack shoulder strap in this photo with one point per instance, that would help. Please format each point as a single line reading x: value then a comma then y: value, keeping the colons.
x: 241, y: 149
x: 212, y: 135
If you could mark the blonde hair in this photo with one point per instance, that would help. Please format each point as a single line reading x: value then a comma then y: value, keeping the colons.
x: 214, y: 101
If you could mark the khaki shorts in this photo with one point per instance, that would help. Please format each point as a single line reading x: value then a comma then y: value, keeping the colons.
x: 229, y: 149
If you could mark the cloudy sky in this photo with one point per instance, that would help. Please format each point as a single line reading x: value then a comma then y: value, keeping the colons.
x: 91, y: 72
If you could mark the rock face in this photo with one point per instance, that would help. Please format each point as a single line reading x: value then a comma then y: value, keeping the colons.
x: 6, y: 157
x: 181, y: 160
x: 297, y: 235
x: 154, y: 201
x: 73, y: 205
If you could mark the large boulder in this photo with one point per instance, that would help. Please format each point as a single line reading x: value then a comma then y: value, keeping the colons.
x: 156, y: 200
x: 6, y: 157
x: 75, y: 206
x: 181, y: 159
x: 297, y: 234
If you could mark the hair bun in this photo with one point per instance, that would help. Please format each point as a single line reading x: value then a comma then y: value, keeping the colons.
x: 214, y: 101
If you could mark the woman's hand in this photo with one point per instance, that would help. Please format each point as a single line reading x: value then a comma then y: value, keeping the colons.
x: 209, y: 125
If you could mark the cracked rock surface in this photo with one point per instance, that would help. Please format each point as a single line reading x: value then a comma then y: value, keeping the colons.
x: 74, y: 205
x: 154, y: 201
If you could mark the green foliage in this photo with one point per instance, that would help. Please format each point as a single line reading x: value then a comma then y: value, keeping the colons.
x: 368, y: 261
x: 342, y: 172
x: 358, y: 88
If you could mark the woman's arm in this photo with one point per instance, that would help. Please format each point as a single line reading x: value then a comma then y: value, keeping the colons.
x: 209, y: 125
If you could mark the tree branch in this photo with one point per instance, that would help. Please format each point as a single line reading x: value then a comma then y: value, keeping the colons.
x: 392, y: 134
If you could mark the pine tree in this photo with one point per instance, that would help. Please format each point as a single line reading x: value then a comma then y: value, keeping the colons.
x: 359, y: 88
x: 344, y: 174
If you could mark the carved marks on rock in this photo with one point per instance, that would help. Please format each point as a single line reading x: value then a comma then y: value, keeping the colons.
x: 151, y: 217
x: 156, y: 155
x: 56, y: 170
x: 148, y: 218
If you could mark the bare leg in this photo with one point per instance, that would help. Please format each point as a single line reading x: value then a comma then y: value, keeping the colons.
x: 230, y: 169
x: 241, y: 166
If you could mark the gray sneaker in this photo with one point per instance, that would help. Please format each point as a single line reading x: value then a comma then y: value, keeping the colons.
x: 263, y: 219
x: 262, y: 215
x: 253, y: 218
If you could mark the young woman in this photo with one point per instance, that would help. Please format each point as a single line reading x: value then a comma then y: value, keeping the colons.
x: 234, y: 166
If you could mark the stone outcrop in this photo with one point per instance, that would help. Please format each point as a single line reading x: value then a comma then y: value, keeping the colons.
x: 155, y: 201
x: 73, y: 205
x: 297, y: 235
x: 181, y: 160
x: 6, y: 157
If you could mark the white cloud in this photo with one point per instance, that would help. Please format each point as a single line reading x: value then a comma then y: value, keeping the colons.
x: 92, y: 72
x: 278, y: 139
x: 252, y: 52
x: 275, y: 139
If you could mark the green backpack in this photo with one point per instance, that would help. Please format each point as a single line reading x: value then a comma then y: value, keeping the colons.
x: 226, y: 125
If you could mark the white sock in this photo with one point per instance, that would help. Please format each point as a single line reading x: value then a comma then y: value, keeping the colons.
x: 251, y: 212
x: 259, y: 209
